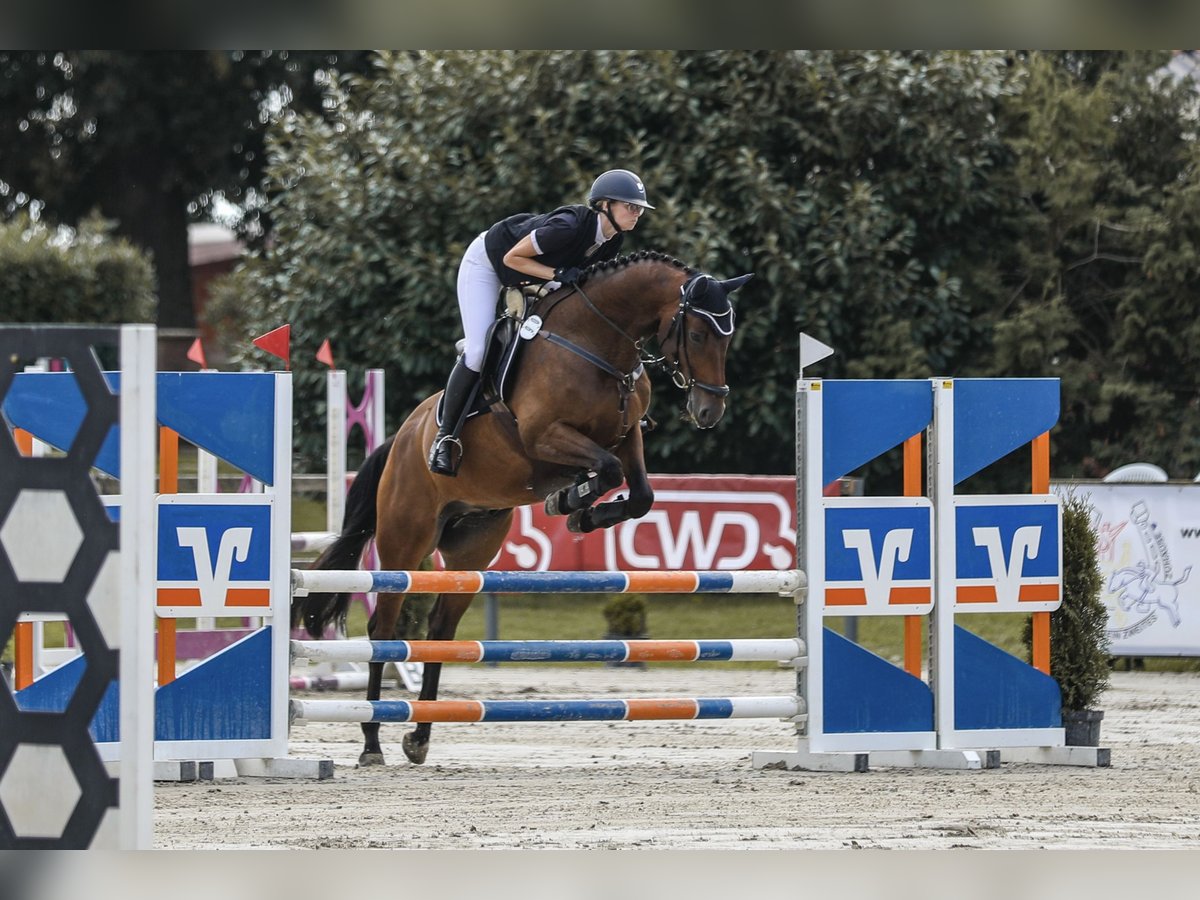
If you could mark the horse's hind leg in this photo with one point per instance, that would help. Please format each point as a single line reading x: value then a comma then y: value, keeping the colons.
x: 468, y: 543
x: 443, y: 622
x: 404, y: 536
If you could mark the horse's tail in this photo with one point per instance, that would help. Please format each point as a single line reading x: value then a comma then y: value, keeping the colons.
x: 317, y: 611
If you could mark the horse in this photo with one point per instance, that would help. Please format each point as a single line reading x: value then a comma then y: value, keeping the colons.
x: 1137, y: 587
x: 570, y: 432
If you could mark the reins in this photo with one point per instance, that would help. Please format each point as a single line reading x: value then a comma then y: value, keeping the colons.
x: 626, y: 382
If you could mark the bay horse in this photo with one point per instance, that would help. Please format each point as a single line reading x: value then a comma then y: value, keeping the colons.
x: 578, y: 400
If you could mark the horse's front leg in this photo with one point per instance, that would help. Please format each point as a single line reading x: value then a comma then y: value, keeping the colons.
x: 636, y: 505
x: 567, y: 446
x: 380, y: 628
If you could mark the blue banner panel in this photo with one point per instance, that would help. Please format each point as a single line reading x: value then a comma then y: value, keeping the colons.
x: 994, y: 689
x: 995, y: 416
x: 844, y: 561
x: 878, y: 556
x: 214, y: 557
x: 865, y: 419
x: 50, y: 406
x: 1008, y: 554
x: 227, y: 697
x: 866, y: 693
x: 229, y: 414
x: 180, y: 545
x: 1027, y: 541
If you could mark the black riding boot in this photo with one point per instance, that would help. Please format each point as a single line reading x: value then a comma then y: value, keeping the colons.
x: 446, y: 452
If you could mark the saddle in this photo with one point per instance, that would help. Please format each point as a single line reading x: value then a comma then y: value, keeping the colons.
x: 502, y: 356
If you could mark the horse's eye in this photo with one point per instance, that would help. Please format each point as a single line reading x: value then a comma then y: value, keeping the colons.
x: 697, y: 337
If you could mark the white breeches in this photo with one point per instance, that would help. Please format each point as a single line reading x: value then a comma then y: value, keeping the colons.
x: 478, y: 293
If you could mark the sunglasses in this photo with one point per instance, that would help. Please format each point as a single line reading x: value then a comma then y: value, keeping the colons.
x: 633, y: 207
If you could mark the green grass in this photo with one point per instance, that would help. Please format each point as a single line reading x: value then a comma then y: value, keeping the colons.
x: 688, y: 616
x: 715, y: 616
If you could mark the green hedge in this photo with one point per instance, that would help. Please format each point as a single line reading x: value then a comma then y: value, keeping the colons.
x: 859, y: 188
x: 1078, y: 636
x: 925, y: 213
x: 84, y: 276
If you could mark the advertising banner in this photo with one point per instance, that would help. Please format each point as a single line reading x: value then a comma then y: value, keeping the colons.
x: 214, y: 555
x: 697, y: 522
x: 879, y: 555
x: 1148, y: 542
x: 1007, y: 557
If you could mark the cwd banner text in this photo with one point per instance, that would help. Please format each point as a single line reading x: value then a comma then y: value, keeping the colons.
x: 698, y: 522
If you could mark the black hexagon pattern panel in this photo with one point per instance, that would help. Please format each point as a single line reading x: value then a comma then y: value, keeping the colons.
x: 55, y: 538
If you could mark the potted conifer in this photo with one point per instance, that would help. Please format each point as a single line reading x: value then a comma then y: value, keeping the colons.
x: 1078, y: 643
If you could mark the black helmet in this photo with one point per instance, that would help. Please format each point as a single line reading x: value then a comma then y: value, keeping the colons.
x: 619, y: 184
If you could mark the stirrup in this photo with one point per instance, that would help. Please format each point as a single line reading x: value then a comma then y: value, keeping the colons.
x: 449, y: 465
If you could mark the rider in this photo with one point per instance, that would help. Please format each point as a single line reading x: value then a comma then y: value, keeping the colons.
x: 528, y: 248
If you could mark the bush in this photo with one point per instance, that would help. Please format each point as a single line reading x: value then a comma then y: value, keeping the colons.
x: 86, y: 276
x: 862, y: 190
x: 625, y: 616
x: 1078, y: 643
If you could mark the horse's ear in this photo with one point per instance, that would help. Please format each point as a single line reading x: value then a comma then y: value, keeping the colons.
x: 734, y: 283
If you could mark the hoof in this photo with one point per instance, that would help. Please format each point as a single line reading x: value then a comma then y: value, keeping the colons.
x: 370, y: 759
x: 576, y: 523
x: 415, y: 752
x: 553, y: 504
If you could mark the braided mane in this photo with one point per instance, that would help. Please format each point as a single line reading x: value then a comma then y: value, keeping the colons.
x: 623, y: 262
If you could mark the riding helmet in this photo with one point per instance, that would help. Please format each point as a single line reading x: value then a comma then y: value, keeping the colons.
x: 619, y: 184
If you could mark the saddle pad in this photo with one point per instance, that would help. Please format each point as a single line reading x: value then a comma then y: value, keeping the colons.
x: 500, y: 363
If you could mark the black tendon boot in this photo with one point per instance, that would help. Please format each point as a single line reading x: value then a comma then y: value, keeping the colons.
x: 447, y: 450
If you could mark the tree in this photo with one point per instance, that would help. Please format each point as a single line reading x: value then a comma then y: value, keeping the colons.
x: 146, y: 138
x: 1102, y: 283
x: 861, y: 188
x: 960, y: 214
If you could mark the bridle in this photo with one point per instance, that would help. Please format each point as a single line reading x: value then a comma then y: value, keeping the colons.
x: 721, y: 323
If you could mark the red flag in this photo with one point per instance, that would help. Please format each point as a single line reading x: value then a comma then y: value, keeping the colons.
x: 325, y: 353
x: 196, y: 354
x: 277, y: 343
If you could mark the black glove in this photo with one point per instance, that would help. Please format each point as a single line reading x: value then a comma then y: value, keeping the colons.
x: 567, y: 274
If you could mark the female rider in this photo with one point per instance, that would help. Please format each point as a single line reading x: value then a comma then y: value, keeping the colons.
x: 526, y: 248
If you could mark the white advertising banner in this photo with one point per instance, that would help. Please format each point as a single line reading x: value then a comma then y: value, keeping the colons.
x: 1148, y: 542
